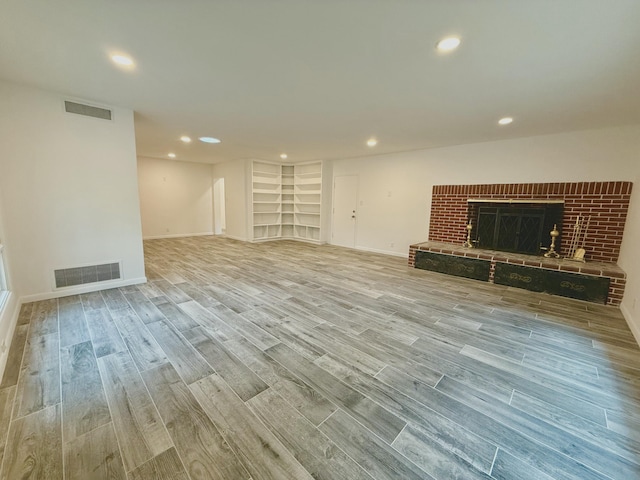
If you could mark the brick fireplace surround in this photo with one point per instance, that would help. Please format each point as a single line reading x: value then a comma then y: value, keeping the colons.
x: 606, y: 202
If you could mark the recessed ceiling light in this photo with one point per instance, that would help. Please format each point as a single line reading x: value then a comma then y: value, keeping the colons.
x: 209, y: 140
x: 171, y: 155
x: 185, y: 139
x: 505, y: 120
x: 372, y: 142
x: 122, y: 60
x: 283, y: 156
x: 448, y: 44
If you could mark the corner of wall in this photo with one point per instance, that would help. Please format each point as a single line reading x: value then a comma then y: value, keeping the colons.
x: 634, y: 323
x: 630, y: 262
x: 8, y: 320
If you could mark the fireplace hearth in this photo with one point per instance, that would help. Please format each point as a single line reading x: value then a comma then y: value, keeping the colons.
x: 518, y: 227
x: 597, y: 282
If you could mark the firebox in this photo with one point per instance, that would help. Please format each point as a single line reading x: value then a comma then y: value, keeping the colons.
x: 515, y: 226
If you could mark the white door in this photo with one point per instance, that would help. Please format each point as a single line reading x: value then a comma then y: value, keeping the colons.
x: 345, y: 200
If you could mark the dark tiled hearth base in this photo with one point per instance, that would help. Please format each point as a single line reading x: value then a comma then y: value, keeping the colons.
x: 597, y: 282
x: 566, y: 284
x: 452, y: 265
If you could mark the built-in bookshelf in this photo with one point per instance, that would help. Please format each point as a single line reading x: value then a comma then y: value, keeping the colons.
x: 307, y: 197
x: 286, y: 201
x: 266, y: 200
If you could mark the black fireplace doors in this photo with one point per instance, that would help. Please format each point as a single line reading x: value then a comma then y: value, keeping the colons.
x: 516, y: 228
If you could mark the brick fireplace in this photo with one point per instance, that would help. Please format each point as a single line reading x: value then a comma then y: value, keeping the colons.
x: 606, y: 203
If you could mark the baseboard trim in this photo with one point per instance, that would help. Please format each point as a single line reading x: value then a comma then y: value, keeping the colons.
x: 384, y: 252
x: 178, y: 235
x: 93, y: 287
x: 295, y: 239
x: 232, y: 237
x: 633, y: 326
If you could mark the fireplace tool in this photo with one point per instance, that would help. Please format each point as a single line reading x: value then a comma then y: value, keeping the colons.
x: 576, y: 252
x: 572, y: 242
x: 468, y: 243
x: 579, y: 253
x: 552, y: 248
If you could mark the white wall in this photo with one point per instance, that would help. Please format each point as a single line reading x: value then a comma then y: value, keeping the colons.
x: 70, y: 192
x: 175, y: 198
x: 395, y: 190
x: 236, y: 175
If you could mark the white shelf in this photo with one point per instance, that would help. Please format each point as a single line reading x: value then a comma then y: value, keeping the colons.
x: 307, y: 200
x: 307, y: 169
x: 266, y: 208
x: 308, y: 182
x: 266, y: 191
x: 307, y: 208
x: 302, y: 177
x: 271, y: 182
x: 265, y: 169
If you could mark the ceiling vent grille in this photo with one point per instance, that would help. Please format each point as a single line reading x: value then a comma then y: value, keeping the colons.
x: 87, y: 110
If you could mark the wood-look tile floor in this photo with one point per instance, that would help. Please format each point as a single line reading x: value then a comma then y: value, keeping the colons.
x: 287, y: 360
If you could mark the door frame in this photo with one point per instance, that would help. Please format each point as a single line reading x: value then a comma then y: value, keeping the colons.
x: 219, y: 206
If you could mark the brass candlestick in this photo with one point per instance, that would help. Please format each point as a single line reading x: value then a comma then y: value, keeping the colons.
x: 468, y: 243
x: 552, y: 249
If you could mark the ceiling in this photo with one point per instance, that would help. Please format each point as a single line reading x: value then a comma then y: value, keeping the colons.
x: 316, y: 79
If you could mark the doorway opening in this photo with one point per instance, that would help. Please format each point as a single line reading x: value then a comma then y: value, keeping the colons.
x: 219, y: 208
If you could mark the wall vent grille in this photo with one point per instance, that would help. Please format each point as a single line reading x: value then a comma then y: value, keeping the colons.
x: 68, y: 277
x: 87, y: 110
